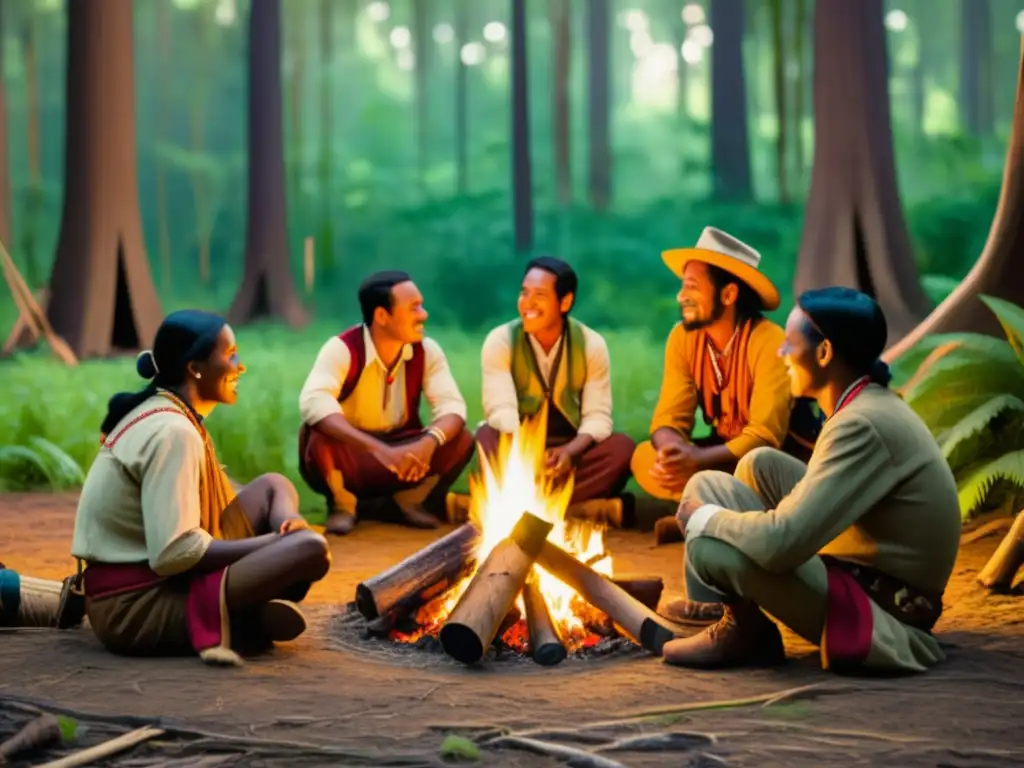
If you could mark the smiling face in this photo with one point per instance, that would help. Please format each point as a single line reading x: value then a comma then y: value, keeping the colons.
x: 805, y: 354
x: 540, y: 309
x: 219, y: 373
x: 701, y: 303
x: 405, y: 321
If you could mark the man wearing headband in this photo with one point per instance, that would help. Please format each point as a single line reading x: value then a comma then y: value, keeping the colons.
x: 547, y: 358
x: 851, y: 551
x: 362, y: 437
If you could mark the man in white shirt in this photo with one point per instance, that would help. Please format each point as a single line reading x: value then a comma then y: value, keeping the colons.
x: 362, y: 437
x: 546, y: 356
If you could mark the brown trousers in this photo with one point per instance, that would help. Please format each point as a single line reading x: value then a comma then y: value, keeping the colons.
x: 345, y: 474
x: 602, y: 471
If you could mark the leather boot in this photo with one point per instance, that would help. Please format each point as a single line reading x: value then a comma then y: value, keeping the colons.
x: 683, y: 611
x: 743, y: 637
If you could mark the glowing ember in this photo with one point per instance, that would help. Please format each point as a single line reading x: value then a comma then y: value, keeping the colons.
x: 514, y: 484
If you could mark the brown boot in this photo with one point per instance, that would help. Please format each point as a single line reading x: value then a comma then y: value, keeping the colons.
x: 667, y: 531
x: 743, y: 637
x: 282, y: 621
x: 691, y: 612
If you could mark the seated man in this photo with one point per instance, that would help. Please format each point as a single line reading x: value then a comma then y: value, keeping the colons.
x: 723, y: 357
x: 853, y: 550
x: 546, y: 356
x: 362, y: 437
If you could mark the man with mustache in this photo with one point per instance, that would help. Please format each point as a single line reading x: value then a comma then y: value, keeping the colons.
x: 547, y: 357
x: 361, y: 436
x: 722, y: 357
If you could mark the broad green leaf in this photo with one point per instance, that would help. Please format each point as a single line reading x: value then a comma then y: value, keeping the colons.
x: 1011, y: 317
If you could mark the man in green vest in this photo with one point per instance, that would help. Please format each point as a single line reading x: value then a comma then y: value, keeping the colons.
x: 545, y: 356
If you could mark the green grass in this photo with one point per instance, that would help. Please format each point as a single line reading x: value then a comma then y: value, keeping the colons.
x: 40, y: 398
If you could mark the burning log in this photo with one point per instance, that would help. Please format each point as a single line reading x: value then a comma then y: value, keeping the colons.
x: 646, y: 589
x: 474, y: 622
x: 405, y: 585
x: 546, y: 644
x: 638, y: 621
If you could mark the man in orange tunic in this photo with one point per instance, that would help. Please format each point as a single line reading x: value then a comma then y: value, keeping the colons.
x: 723, y: 357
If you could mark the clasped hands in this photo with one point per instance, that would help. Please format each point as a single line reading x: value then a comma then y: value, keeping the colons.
x: 674, y: 465
x: 410, y: 462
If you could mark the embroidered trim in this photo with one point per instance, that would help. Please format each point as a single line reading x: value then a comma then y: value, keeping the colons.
x: 112, y: 441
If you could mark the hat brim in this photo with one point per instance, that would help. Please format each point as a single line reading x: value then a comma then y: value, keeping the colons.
x: 677, y: 259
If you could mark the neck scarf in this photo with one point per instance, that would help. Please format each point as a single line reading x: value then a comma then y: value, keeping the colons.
x: 724, y: 383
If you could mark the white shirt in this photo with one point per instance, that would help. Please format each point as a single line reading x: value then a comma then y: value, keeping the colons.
x: 374, y: 405
x: 501, y: 402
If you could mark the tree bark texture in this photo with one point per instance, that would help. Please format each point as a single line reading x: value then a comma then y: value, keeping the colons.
x: 5, y: 172
x: 854, y: 231
x: 561, y: 52
x: 522, y: 173
x: 999, y: 271
x: 267, y: 289
x: 599, y: 102
x: 977, y: 103
x: 102, y: 295
x: 730, y: 148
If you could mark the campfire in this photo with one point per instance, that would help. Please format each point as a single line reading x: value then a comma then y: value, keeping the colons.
x: 518, y: 573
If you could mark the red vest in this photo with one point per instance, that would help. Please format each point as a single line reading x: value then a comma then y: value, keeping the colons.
x: 414, y: 369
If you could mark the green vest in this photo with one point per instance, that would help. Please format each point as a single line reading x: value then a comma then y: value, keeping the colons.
x: 568, y: 391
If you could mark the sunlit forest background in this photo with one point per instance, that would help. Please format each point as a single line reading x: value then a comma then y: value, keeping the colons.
x: 398, y: 141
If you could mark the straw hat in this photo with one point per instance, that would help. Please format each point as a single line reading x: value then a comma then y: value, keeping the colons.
x: 722, y: 250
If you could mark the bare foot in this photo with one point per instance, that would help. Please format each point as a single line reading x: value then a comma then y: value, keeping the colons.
x: 416, y: 516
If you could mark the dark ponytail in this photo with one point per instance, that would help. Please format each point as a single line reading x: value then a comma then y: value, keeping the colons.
x: 184, y: 337
x: 856, y: 326
x: 880, y: 373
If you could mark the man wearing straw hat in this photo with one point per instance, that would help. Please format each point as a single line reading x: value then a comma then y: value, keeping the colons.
x: 722, y: 357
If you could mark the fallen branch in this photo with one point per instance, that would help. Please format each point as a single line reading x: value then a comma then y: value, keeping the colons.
x: 105, y: 749
x: 578, y: 758
x: 673, y: 741
x: 993, y: 527
x: 36, y: 734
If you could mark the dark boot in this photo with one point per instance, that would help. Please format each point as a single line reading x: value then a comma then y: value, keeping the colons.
x: 743, y: 637
x: 691, y: 612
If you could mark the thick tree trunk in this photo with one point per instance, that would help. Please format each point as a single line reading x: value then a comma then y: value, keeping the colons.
x: 799, y: 88
x: 267, y: 286
x: 102, y: 296
x: 5, y: 173
x: 561, y: 51
x: 999, y: 271
x: 34, y: 138
x: 779, y: 81
x: 730, y: 150
x: 461, y: 99
x: 599, y: 102
x: 522, y: 174
x: 977, y: 103
x: 326, y: 244
x: 854, y: 231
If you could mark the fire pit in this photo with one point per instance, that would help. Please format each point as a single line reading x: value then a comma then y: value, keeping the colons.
x: 518, y: 575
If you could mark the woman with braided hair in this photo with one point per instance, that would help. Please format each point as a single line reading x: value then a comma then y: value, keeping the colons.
x: 175, y: 561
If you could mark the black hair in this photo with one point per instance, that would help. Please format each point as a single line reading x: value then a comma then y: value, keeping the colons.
x: 184, y: 337
x: 855, y: 325
x: 748, y: 304
x: 566, y: 281
x: 375, y: 291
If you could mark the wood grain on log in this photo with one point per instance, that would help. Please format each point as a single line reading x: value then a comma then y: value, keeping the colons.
x: 416, y: 578
x: 474, y: 622
x: 638, y: 621
x: 1002, y: 567
x: 646, y: 589
x: 546, y: 645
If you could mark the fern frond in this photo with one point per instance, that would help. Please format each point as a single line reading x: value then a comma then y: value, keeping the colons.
x: 1011, y: 317
x: 976, y: 486
x: 962, y: 440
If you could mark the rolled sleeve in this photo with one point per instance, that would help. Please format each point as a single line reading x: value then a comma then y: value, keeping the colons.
x: 699, y: 520
x: 319, y: 396
x: 500, y: 401
x: 439, y: 386
x: 677, y: 401
x: 596, y: 406
x: 171, y: 463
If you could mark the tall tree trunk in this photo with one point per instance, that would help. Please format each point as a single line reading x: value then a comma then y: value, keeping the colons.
x: 267, y: 289
x: 999, y: 271
x: 779, y: 77
x: 599, y: 102
x: 298, y: 69
x: 854, y: 231
x: 421, y: 71
x: 163, y: 66
x: 522, y: 174
x: 326, y: 244
x: 730, y: 150
x: 976, y: 97
x: 461, y: 100
x: 34, y: 197
x: 799, y: 88
x: 5, y: 168
x: 561, y: 52
x: 102, y: 296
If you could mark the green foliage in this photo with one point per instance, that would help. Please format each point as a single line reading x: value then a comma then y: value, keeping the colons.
x: 38, y: 465
x: 459, y: 748
x: 969, y: 389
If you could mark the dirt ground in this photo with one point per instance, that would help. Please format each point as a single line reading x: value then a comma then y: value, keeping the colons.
x: 966, y: 712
